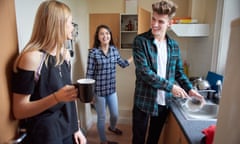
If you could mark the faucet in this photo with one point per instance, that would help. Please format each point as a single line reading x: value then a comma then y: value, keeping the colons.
x: 217, y: 96
x: 219, y: 85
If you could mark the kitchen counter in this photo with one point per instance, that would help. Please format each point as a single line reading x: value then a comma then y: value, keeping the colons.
x: 192, y: 129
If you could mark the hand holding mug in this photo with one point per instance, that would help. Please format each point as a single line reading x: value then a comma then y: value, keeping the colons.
x: 66, y: 93
x: 85, y: 89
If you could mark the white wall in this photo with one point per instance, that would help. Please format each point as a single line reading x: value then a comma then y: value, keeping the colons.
x: 25, y: 13
x: 125, y: 88
x: 231, y: 11
x: 80, y: 10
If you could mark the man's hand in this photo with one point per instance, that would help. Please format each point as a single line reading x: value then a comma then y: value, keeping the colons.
x: 177, y: 91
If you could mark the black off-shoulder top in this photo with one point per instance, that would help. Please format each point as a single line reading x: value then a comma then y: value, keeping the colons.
x: 57, y: 122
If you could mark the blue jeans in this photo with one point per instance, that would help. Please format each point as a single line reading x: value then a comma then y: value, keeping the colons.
x: 101, y: 103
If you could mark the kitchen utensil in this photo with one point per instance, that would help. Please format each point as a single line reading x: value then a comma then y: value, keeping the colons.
x: 192, y: 79
x: 208, y: 93
x: 203, y: 85
x: 192, y: 104
x: 195, y: 81
x: 200, y: 83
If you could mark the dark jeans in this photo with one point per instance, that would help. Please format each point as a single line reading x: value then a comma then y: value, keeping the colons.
x: 140, y: 124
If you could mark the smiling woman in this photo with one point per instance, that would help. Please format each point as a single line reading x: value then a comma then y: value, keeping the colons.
x: 45, y: 99
x: 25, y: 16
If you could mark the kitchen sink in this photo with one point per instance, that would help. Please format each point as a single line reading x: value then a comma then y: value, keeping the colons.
x: 209, y: 111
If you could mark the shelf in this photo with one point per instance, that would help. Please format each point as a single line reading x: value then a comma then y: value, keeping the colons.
x: 190, y: 30
x: 126, y: 46
x: 128, y: 31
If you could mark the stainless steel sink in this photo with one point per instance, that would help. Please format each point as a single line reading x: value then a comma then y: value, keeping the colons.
x: 208, y: 112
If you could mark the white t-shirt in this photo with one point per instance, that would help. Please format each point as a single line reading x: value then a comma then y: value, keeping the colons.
x: 162, y: 64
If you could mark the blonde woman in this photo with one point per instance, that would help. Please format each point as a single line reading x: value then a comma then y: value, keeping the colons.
x: 42, y: 92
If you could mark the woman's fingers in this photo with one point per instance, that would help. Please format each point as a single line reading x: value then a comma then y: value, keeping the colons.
x: 67, y: 93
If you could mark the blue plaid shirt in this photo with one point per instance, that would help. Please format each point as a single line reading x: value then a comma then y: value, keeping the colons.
x: 147, y: 80
x: 102, y: 68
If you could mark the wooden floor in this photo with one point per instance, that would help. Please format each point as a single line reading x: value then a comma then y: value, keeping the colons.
x: 93, y: 138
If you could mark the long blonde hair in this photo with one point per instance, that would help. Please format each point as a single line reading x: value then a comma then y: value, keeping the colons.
x: 49, y: 29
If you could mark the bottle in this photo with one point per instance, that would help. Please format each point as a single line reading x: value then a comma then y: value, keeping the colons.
x: 130, y: 26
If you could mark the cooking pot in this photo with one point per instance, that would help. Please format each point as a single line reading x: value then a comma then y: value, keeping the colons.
x: 203, y: 85
x: 85, y: 89
x: 200, y: 84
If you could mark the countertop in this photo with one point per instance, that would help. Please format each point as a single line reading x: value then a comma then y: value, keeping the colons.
x: 191, y: 128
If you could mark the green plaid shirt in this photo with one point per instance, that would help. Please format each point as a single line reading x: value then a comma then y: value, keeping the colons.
x: 147, y: 80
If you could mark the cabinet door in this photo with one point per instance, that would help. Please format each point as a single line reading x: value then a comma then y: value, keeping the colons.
x: 173, y: 133
x: 111, y: 20
x: 144, y: 20
x: 183, y: 138
x: 9, y: 47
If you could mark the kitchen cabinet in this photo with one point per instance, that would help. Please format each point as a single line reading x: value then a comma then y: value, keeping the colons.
x: 9, y: 46
x: 190, y: 30
x: 129, y: 29
x: 112, y: 20
x: 133, y: 24
x: 144, y: 20
x: 173, y: 133
x: 197, y: 10
x: 125, y: 27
